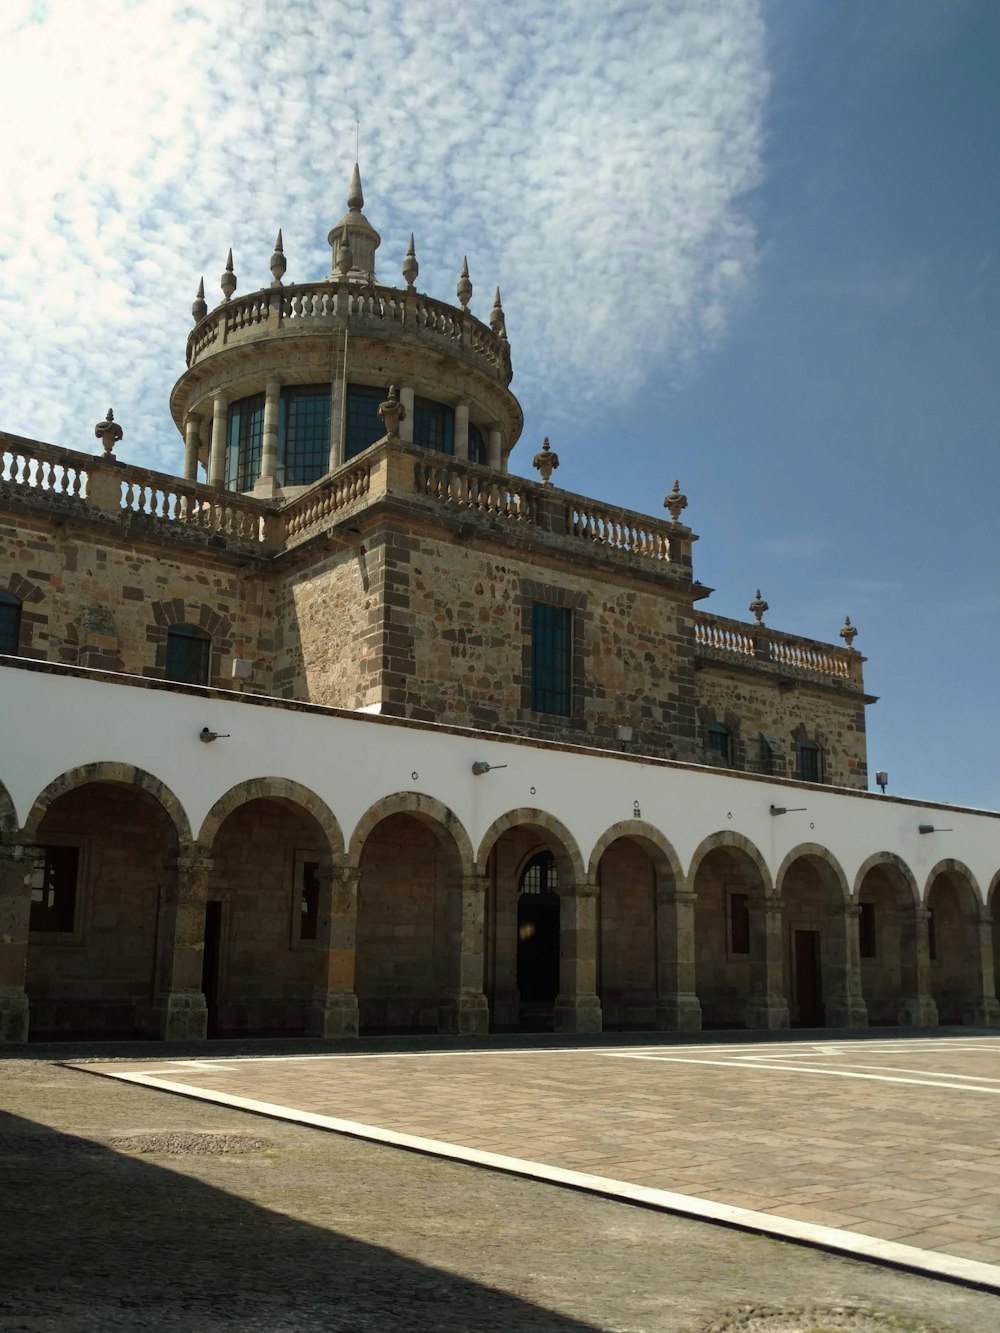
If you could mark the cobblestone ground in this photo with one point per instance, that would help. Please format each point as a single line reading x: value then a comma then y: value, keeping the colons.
x: 127, y: 1209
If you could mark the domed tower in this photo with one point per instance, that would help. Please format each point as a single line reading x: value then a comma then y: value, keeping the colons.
x: 283, y: 385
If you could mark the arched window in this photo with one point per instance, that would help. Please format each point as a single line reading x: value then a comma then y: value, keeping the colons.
x: 540, y: 875
x: 477, y: 445
x: 810, y: 762
x: 719, y: 743
x: 10, y: 622
x: 189, y: 655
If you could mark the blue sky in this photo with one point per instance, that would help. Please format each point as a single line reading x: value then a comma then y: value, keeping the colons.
x: 750, y: 245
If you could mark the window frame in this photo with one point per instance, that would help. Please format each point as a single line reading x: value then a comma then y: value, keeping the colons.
x: 437, y: 419
x: 353, y: 422
x: 244, y: 443
x: 316, y: 449
x: 480, y: 448
x: 184, y: 633
x: 814, y: 749
x: 725, y: 752
x: 74, y: 935
x: 11, y: 609
x: 551, y: 659
x: 732, y: 950
x: 867, y: 930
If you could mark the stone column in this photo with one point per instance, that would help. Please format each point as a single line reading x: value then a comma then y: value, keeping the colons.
x: 266, y: 484
x: 916, y: 1005
x: 677, y: 1005
x: 462, y: 431
x: 494, y: 447
x: 984, y: 1012
x: 577, y: 1008
x: 333, y: 1009
x: 406, y: 397
x: 179, y: 1009
x: 844, y: 1002
x: 192, y: 442
x: 463, y: 1005
x: 767, y: 1007
x: 17, y: 862
x: 220, y: 434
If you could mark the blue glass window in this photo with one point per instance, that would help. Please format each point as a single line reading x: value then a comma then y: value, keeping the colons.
x: 551, y: 659
x: 304, y: 434
x: 10, y: 622
x: 189, y: 654
x: 363, y: 424
x: 244, y: 444
x: 477, y: 445
x: 433, y: 425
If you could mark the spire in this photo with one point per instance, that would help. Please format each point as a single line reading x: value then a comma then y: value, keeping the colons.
x: 355, y: 199
x: 199, y: 306
x: 278, y: 261
x: 463, y: 287
x: 410, y: 266
x: 497, y: 319
x: 228, y: 280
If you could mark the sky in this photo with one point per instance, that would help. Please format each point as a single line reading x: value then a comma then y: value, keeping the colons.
x: 751, y: 244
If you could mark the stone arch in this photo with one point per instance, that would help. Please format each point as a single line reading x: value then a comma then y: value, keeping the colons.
x: 111, y: 771
x: 962, y: 978
x: 663, y: 854
x: 8, y: 815
x: 271, y: 788
x: 569, y: 859
x: 993, y: 910
x: 993, y: 896
x: 816, y: 852
x: 951, y: 867
x: 821, y: 980
x: 729, y: 839
x: 894, y: 862
x: 427, y: 809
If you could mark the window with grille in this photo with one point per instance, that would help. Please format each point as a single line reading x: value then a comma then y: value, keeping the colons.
x: 551, y: 659
x: 477, y: 445
x: 719, y: 743
x: 10, y: 622
x: 244, y: 443
x: 433, y: 425
x: 540, y: 875
x: 53, y: 890
x: 363, y: 425
x: 866, y: 930
x: 304, y: 434
x: 189, y: 655
x: 810, y: 762
x: 310, y: 900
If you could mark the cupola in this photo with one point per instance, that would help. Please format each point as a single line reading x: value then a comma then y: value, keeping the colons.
x: 354, y: 240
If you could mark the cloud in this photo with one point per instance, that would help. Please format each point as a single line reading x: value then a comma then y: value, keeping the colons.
x: 591, y: 158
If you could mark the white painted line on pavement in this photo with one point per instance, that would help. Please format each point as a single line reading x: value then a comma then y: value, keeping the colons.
x: 824, y: 1071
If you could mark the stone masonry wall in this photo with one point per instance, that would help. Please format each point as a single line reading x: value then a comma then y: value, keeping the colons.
x: 627, y: 957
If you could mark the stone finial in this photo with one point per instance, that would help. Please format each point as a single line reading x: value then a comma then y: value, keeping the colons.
x: 391, y: 413
x: 228, y: 280
x: 675, y: 503
x: 410, y: 266
x: 546, y: 461
x: 199, y: 306
x: 498, y: 321
x: 848, y: 632
x: 278, y: 261
x: 355, y: 198
x: 758, y: 606
x: 109, y: 433
x: 463, y: 288
x: 345, y: 259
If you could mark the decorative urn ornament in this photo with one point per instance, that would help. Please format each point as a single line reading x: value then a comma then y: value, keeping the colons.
x: 848, y: 632
x: 758, y: 606
x: 391, y: 412
x: 109, y: 433
x: 546, y: 461
x: 675, y: 503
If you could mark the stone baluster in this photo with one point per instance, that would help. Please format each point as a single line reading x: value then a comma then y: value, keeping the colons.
x: 845, y: 1005
x: 333, y: 1010
x: 17, y: 864
x: 677, y: 1005
x: 179, y: 1009
x: 220, y: 432
x: 985, y: 1009
x: 767, y: 1007
x: 267, y: 485
x: 577, y: 1007
x: 463, y: 1007
x: 916, y: 1007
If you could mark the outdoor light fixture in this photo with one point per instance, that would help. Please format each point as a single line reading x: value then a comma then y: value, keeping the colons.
x: 206, y: 736
x: 787, y: 809
x: 929, y: 828
x: 481, y: 766
x: 882, y: 780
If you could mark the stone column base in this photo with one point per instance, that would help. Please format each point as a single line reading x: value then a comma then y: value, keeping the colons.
x: 332, y: 1013
x: 181, y: 1016
x: 13, y: 1016
x: 766, y: 1012
x: 577, y: 1013
x: 466, y: 1014
x: 846, y: 1014
x: 678, y: 1013
x: 985, y: 1014
x: 918, y: 1011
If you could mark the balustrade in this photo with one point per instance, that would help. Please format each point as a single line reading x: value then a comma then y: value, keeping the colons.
x: 328, y: 496
x: 785, y: 650
x: 43, y: 467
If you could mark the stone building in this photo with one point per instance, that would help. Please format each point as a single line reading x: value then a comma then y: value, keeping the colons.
x: 363, y: 729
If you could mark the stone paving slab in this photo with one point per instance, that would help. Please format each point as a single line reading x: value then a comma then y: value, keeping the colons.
x: 894, y: 1141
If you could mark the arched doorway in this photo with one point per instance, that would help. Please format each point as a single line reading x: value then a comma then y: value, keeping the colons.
x: 628, y: 934
x: 892, y: 951
x: 820, y: 966
x: 953, y: 945
x: 538, y: 942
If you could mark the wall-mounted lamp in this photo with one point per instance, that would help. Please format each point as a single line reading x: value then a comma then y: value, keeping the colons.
x: 481, y: 766
x: 206, y: 736
x: 882, y: 780
x: 787, y: 809
x: 929, y: 828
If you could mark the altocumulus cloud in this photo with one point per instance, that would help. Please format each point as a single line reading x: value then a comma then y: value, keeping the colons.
x: 592, y: 158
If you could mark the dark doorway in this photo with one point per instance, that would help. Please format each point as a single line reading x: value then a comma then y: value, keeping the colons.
x: 538, y: 942
x: 210, y: 964
x: 808, y: 979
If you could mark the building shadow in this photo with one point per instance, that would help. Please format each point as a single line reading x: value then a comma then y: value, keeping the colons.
x: 94, y: 1238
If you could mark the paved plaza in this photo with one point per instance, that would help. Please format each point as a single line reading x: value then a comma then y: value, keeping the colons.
x: 886, y: 1148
